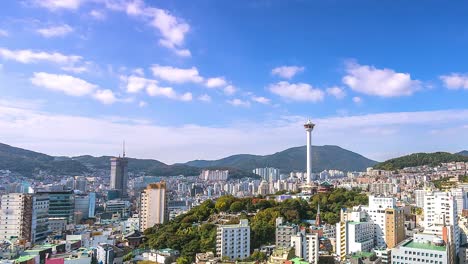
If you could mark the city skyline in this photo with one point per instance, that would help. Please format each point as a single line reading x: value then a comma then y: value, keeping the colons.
x: 183, y: 81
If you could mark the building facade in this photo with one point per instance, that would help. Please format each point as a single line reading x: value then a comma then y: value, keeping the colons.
x: 153, y: 204
x: 284, y: 231
x: 119, y: 175
x: 17, y: 217
x: 233, y: 241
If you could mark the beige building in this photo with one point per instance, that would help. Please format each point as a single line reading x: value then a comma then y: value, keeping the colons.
x: 17, y: 217
x: 394, y: 226
x: 153, y: 202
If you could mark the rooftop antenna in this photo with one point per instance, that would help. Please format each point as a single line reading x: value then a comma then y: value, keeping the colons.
x: 124, y: 149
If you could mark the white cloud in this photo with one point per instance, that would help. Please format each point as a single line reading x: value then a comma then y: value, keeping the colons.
x: 60, y: 134
x: 139, y: 71
x: 230, y: 90
x: 29, y: 56
x: 135, y: 84
x: 97, y: 14
x: 177, y: 75
x: 204, y: 98
x: 455, y: 81
x: 357, y: 99
x: 297, y: 91
x: 379, y: 82
x: 261, y: 99
x: 216, y: 82
x: 172, y: 29
x: 55, y: 31
x: 75, y: 69
x: 287, y: 72
x: 142, y: 104
x: 168, y: 92
x: 105, y: 96
x: 54, y: 5
x: 337, y: 92
x: 64, y: 83
x: 239, y: 102
x: 4, y: 33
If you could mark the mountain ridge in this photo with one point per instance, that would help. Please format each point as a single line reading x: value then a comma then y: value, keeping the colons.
x: 294, y: 159
x: 29, y: 163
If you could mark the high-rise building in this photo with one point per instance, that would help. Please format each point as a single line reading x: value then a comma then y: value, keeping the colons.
x: 61, y: 205
x: 306, y: 246
x: 268, y: 174
x: 153, y: 204
x: 214, y: 175
x: 376, y: 211
x: 354, y: 233
x: 394, y: 226
x: 41, y: 211
x: 81, y: 184
x: 440, y: 214
x: 283, y: 233
x: 84, y: 206
x: 419, y: 197
x: 17, y: 218
x: 119, y: 175
x: 233, y: 241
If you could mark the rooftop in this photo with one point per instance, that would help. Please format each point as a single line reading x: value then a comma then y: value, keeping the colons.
x: 427, y: 246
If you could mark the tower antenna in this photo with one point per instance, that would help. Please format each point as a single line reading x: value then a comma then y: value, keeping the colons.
x: 123, y: 149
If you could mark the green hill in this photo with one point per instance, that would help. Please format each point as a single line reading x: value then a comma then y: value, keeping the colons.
x: 294, y: 159
x: 419, y: 159
x: 28, y: 162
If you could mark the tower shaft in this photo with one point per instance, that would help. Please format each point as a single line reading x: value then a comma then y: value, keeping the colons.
x: 309, y: 155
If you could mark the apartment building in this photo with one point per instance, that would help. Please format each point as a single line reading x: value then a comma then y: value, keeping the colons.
x: 233, y: 241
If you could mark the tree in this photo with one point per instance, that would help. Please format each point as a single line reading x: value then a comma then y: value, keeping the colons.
x: 236, y: 207
x: 183, y: 260
x: 223, y: 203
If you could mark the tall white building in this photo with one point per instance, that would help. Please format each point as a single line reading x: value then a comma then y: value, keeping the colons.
x: 153, y: 203
x: 233, y: 241
x: 17, y: 217
x: 419, y: 197
x: 268, y: 174
x: 214, y: 175
x: 460, y: 196
x: 306, y: 246
x: 440, y: 210
x: 376, y: 211
x: 354, y: 233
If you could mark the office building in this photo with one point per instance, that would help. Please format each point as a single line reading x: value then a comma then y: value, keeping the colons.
x: 421, y: 249
x: 17, y: 218
x: 119, y: 175
x: 284, y: 231
x: 306, y: 246
x: 394, y: 226
x: 61, y: 205
x: 233, y: 241
x: 153, y: 203
x: 440, y: 213
x: 41, y: 211
x: 354, y: 233
x: 120, y: 207
x: 377, y: 215
x: 81, y: 184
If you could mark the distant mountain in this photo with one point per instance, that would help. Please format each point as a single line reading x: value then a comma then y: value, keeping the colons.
x: 28, y: 162
x: 463, y: 153
x: 294, y: 159
x: 420, y: 159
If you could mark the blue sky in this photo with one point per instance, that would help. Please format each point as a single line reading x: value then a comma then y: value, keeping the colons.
x: 181, y: 80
